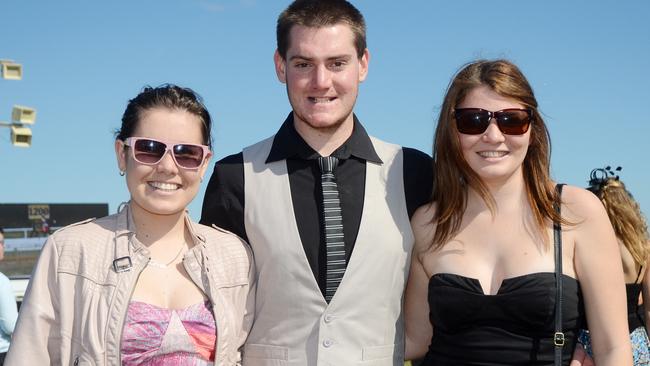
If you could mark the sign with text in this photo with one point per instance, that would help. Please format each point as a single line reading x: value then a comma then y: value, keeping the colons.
x: 36, y: 212
x: 24, y: 215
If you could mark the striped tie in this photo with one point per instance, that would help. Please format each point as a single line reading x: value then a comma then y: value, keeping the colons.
x: 334, y: 243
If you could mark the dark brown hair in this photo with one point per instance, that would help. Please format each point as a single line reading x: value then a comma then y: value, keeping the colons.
x: 320, y: 13
x: 167, y: 96
x: 453, y: 176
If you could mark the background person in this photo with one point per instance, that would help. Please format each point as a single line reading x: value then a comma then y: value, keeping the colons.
x: 273, y: 194
x: 483, y: 268
x: 633, y: 242
x: 146, y: 285
x: 8, y: 308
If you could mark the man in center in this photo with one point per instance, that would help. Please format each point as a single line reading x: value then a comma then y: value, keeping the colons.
x: 324, y: 206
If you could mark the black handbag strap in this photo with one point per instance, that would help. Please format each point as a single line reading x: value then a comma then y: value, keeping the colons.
x: 558, y: 337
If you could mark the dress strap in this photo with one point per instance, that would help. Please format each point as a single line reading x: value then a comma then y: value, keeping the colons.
x: 638, y: 275
x: 558, y: 337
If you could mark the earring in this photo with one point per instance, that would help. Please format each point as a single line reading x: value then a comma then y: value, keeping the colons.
x: 122, y: 173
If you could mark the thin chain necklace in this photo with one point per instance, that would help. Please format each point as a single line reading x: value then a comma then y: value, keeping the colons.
x: 152, y: 262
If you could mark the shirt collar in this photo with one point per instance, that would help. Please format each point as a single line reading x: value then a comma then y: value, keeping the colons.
x: 287, y: 143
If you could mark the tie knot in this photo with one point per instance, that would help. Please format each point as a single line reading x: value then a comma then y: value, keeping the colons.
x: 328, y: 164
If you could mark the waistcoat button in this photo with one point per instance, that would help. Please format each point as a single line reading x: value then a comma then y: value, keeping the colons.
x: 328, y: 343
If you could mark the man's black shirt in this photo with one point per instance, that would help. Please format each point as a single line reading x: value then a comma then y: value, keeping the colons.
x: 224, y: 199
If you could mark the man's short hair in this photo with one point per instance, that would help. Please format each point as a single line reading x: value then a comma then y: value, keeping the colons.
x: 320, y: 13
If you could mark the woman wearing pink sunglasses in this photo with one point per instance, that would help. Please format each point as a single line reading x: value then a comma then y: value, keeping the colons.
x: 146, y: 286
x: 506, y: 266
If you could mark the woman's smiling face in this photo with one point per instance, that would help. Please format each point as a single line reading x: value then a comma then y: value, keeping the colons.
x: 493, y: 155
x: 163, y: 188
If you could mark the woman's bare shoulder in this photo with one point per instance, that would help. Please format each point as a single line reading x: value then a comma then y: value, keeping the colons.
x: 423, y: 225
x: 424, y: 215
x: 580, y: 204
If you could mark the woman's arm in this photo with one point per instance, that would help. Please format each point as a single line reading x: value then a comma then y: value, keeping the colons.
x: 599, y: 269
x: 249, y: 310
x: 418, y: 327
x: 37, y: 337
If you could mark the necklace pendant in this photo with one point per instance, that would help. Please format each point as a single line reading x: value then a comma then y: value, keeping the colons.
x: 152, y: 262
x: 155, y: 264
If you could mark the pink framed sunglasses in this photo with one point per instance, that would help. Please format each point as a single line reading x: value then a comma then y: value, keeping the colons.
x: 150, y: 152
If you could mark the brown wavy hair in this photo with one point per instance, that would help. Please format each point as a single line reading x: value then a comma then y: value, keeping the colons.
x: 625, y: 215
x: 453, y: 176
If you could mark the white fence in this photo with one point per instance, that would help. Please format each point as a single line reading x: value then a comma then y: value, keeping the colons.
x: 21, y: 239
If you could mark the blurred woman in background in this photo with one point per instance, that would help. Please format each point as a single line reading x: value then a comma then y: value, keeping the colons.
x: 634, y: 244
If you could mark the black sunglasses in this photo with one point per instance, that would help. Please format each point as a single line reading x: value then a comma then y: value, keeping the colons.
x: 511, y: 121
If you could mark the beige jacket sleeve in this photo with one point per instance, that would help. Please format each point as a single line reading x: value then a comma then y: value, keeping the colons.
x: 37, y: 337
x: 249, y: 310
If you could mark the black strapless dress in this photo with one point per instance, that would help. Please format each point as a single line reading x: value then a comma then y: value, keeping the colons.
x: 513, y: 327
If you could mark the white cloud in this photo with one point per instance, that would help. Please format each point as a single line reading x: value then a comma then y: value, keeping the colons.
x: 213, y: 6
x: 219, y: 6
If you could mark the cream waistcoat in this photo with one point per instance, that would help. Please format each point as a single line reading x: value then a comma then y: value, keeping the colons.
x: 363, y: 324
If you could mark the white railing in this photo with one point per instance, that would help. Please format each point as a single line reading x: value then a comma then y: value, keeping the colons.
x: 24, y: 244
x: 17, y: 240
x: 20, y: 239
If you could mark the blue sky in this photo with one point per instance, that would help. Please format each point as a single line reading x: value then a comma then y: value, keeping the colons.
x: 587, y: 61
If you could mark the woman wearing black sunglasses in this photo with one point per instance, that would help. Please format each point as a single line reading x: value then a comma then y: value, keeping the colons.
x: 484, y: 270
x: 146, y: 286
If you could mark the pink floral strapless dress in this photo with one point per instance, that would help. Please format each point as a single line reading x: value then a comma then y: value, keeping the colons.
x: 156, y: 336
